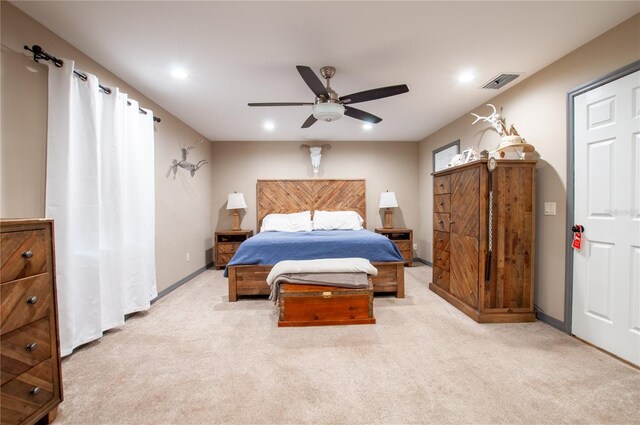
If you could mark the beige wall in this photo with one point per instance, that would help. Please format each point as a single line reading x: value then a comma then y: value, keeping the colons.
x: 182, y: 205
x: 385, y: 166
x: 537, y: 108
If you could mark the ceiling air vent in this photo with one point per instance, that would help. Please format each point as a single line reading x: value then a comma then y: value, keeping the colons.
x: 500, y: 81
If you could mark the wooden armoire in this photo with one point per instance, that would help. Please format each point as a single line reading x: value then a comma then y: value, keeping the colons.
x: 490, y: 283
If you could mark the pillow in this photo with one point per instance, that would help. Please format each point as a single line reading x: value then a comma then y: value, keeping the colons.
x: 296, y: 222
x: 337, y: 220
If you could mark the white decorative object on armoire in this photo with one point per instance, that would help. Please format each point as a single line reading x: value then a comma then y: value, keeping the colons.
x: 100, y: 192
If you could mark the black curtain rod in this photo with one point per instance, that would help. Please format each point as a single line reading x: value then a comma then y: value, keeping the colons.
x: 39, y: 53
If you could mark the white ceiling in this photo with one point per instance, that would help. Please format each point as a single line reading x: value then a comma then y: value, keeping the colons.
x: 240, y: 52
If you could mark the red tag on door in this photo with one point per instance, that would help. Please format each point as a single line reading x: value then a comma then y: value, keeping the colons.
x: 577, y: 241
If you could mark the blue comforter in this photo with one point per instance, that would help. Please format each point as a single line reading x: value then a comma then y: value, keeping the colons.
x: 268, y: 248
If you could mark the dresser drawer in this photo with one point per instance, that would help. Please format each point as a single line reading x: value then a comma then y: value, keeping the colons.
x: 403, y: 245
x: 441, y: 185
x: 23, y: 254
x: 222, y: 259
x: 441, y: 240
x: 407, y: 255
x: 228, y: 248
x: 441, y: 278
x: 24, y: 301
x: 26, y: 393
x: 441, y: 222
x: 24, y: 348
x: 442, y: 203
x: 441, y: 259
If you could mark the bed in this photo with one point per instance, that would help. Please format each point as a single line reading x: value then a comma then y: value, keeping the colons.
x: 247, y: 276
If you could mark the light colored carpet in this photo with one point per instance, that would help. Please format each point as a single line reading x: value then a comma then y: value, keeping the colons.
x: 194, y: 358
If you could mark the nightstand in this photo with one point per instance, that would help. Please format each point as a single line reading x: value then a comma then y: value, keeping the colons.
x: 227, y: 243
x: 403, y: 238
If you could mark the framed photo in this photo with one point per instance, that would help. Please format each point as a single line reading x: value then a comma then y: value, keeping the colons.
x: 443, y: 156
x: 466, y: 155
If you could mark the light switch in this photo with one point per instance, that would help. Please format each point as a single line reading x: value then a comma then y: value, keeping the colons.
x: 549, y: 208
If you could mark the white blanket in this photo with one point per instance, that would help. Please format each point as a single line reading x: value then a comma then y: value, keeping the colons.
x: 290, y: 268
x: 327, y: 265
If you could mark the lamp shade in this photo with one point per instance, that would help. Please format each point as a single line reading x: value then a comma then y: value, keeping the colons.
x: 236, y: 201
x: 388, y: 200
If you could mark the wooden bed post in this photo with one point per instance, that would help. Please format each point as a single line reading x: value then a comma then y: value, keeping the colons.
x: 400, y: 281
x: 233, y: 286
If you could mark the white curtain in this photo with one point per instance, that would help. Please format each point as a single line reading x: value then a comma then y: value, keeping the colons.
x: 100, y: 192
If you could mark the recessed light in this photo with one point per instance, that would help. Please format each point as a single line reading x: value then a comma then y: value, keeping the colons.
x: 269, y: 126
x: 179, y: 73
x: 466, y: 77
x: 367, y: 126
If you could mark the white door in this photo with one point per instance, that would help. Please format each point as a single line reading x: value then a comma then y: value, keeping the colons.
x: 606, y: 272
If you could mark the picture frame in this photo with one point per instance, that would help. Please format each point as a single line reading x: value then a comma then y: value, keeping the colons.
x: 466, y: 155
x: 443, y: 156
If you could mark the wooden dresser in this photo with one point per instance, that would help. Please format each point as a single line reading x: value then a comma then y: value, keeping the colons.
x: 461, y: 239
x: 29, y: 348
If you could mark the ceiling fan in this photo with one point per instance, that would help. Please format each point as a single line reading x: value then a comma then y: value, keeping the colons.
x: 328, y: 106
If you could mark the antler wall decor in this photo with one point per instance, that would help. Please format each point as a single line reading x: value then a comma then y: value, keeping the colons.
x: 497, y: 122
x: 186, y: 164
x: 509, y: 138
x: 315, y: 153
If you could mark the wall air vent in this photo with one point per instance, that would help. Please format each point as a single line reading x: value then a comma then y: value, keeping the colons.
x: 501, y: 80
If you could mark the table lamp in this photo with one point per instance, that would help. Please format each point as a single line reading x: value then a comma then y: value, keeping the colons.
x: 235, y: 201
x: 388, y: 200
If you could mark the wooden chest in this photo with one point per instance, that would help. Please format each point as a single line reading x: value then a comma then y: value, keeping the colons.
x: 315, y: 305
x: 31, y: 387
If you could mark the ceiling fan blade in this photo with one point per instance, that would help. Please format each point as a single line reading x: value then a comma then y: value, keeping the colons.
x: 361, y: 115
x: 281, y: 104
x: 374, y: 94
x: 309, y: 122
x: 312, y: 81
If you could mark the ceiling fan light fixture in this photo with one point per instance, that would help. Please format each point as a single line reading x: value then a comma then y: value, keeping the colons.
x: 328, y: 111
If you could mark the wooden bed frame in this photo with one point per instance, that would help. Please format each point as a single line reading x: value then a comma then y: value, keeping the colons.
x: 287, y: 196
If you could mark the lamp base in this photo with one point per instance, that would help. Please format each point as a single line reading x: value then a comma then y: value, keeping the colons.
x: 388, y: 219
x: 235, y: 220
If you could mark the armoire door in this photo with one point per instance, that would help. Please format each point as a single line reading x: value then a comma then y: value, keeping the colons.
x: 513, y: 229
x: 465, y: 229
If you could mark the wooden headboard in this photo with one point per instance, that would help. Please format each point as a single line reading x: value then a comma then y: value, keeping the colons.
x: 288, y: 196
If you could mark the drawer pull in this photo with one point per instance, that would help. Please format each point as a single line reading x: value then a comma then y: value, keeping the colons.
x: 440, y: 258
x: 439, y: 240
x: 31, y: 347
x: 440, y: 203
x: 35, y: 391
x: 451, y: 222
x: 441, y: 185
x: 326, y: 294
x: 440, y: 221
x: 27, y: 254
x: 32, y: 300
